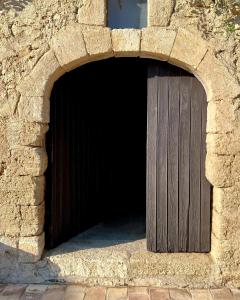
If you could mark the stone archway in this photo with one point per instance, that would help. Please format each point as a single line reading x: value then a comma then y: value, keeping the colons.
x: 77, y: 45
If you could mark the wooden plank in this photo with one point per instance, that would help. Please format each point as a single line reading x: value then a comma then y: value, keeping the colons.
x: 205, y: 185
x: 162, y: 155
x: 173, y: 127
x: 195, y: 172
x: 184, y: 151
x: 151, y: 233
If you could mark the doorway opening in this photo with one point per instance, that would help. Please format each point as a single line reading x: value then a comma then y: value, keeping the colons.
x: 96, y: 180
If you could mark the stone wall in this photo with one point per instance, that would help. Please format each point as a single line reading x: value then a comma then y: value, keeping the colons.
x: 41, y: 40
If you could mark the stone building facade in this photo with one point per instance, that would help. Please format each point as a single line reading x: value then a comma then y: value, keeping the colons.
x: 40, y: 41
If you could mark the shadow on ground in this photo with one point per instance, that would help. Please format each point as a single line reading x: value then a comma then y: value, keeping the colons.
x: 17, y: 5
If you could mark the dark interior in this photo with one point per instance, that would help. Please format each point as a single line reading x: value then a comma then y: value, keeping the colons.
x: 96, y: 147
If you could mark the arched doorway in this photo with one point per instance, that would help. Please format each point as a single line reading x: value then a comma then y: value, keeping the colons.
x: 98, y: 153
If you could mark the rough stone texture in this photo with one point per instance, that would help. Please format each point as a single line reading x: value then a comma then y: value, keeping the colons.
x: 159, y: 12
x: 40, y: 40
x: 69, y: 47
x: 92, y: 12
x: 157, y: 42
x: 126, y: 42
x: 188, y: 50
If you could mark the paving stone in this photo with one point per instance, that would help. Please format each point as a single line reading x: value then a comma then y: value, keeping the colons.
x: 221, y: 294
x: 138, y: 297
x: 236, y: 294
x: 138, y: 290
x: 117, y: 294
x: 13, y: 292
x: 34, y: 292
x: 179, y: 294
x: 159, y: 294
x: 54, y: 293
x: 95, y: 293
x: 75, y: 292
x: 201, y: 294
x: 2, y: 287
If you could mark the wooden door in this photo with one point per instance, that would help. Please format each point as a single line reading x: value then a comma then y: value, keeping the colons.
x: 178, y: 194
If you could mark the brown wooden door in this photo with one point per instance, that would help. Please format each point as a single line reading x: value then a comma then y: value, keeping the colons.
x: 178, y: 194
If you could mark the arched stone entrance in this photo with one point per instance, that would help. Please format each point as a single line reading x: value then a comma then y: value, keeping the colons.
x: 77, y: 45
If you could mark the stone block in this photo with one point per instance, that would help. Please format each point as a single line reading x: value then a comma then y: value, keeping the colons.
x: 201, y: 294
x: 74, y: 292
x: 224, y: 294
x: 22, y: 190
x: 157, y: 42
x: 220, y: 117
x: 34, y: 109
x: 10, y: 219
x: 98, y: 42
x: 26, y: 133
x: 159, y: 12
x: 27, y: 161
x: 40, y: 81
x: 31, y: 248
x: 126, y: 42
x: 223, y: 144
x: 92, y: 12
x: 69, y: 47
x: 117, y: 293
x: 218, y: 170
x: 217, y: 80
x: 8, y: 246
x: 188, y: 50
x: 32, y: 220
x: 156, y: 294
x: 95, y: 293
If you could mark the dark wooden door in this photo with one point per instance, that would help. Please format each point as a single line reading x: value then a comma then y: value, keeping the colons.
x: 178, y: 194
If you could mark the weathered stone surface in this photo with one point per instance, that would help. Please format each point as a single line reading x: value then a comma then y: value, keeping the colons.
x: 218, y: 170
x: 40, y: 82
x: 74, y: 292
x: 13, y: 292
x: 223, y: 144
x: 157, y: 294
x: 69, y: 47
x: 22, y: 190
x: 34, y: 109
x: 201, y: 294
x: 95, y: 293
x: 54, y: 293
x: 126, y: 42
x: 92, y: 12
x: 8, y: 246
x: 117, y: 294
x: 179, y: 294
x: 98, y: 42
x: 159, y: 12
x: 10, y: 220
x: 25, y: 133
x: 220, y: 117
x: 27, y: 161
x: 221, y: 294
x: 216, y: 79
x: 157, y: 42
x: 188, y: 50
x: 31, y: 248
x: 32, y: 220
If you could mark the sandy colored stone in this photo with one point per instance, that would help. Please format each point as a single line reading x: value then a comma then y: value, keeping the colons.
x: 217, y: 80
x: 23, y: 190
x: 34, y: 109
x: 95, y: 293
x: 74, y: 292
x: 32, y: 220
x: 223, y: 144
x: 126, y: 42
x: 69, y: 47
x: 221, y: 294
x: 10, y: 220
x: 157, y: 294
x: 188, y: 50
x: 220, y: 117
x: 31, y: 248
x: 218, y: 170
x: 27, y: 161
x: 55, y: 292
x: 8, y: 246
x: 26, y: 133
x: 159, y: 12
x: 201, y: 294
x: 157, y: 42
x: 98, y: 42
x: 92, y: 12
x: 117, y: 294
x: 179, y: 294
x: 40, y: 81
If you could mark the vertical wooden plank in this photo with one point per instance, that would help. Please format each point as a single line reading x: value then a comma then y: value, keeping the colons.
x: 205, y: 185
x: 195, y: 172
x: 173, y: 127
x: 162, y: 154
x: 151, y: 229
x: 184, y: 142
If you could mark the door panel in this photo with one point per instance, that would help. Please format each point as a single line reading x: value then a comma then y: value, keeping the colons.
x: 178, y: 194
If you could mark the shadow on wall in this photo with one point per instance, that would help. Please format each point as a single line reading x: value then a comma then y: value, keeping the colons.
x: 17, y: 266
x: 17, y: 5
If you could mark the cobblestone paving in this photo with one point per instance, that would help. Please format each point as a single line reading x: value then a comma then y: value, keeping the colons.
x: 73, y: 292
